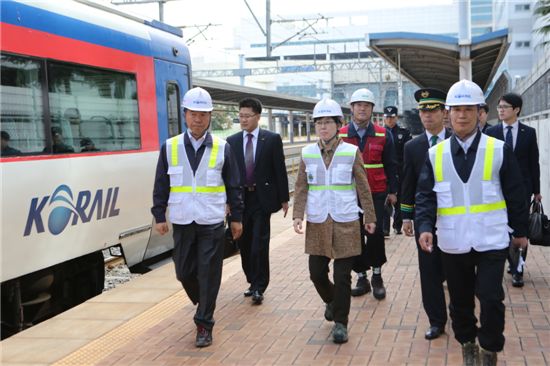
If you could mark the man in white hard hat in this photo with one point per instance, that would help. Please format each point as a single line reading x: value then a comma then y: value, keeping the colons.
x: 471, y: 189
x: 330, y: 180
x: 196, y: 175
x: 378, y: 152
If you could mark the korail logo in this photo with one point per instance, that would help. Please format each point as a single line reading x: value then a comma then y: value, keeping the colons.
x: 60, y: 209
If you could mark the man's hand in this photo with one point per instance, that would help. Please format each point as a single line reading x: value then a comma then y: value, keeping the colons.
x: 538, y: 197
x: 162, y: 228
x: 391, y: 199
x: 236, y: 229
x: 284, y: 205
x: 408, y: 228
x: 425, y: 241
x: 520, y: 242
x: 298, y: 226
x: 370, y: 227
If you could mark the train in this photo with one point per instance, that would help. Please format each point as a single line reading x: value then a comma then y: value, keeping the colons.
x: 88, y: 95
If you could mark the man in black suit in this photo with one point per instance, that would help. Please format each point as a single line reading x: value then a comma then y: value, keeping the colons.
x: 261, y: 161
x: 523, y: 140
x: 400, y: 137
x: 431, y: 106
x: 483, y: 115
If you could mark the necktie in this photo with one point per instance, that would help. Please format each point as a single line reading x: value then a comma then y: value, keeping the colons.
x: 509, y: 139
x: 433, y: 140
x: 249, y: 161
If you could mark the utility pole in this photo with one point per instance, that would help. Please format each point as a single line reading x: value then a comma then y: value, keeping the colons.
x: 268, y: 27
x: 464, y: 40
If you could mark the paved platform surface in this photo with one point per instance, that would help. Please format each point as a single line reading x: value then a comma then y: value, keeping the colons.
x: 149, y: 320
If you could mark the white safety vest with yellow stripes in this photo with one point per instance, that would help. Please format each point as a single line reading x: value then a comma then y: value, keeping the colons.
x: 472, y: 214
x: 331, y: 191
x: 198, y: 197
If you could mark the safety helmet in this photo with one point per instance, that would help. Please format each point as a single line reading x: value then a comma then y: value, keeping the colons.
x: 362, y: 95
x: 197, y: 99
x: 465, y: 92
x: 327, y: 108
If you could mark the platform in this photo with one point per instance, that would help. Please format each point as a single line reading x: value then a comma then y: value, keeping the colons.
x: 148, y: 321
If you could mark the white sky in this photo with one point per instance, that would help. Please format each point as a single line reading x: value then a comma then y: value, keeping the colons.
x: 228, y: 13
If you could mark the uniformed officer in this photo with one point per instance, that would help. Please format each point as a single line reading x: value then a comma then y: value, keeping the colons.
x: 378, y: 152
x: 431, y: 106
x: 196, y: 175
x: 471, y: 189
x: 400, y: 137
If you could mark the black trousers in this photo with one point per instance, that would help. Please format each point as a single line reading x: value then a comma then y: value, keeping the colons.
x: 254, y: 243
x: 395, y: 212
x: 339, y: 292
x: 198, y: 258
x: 477, y: 274
x: 431, y: 283
x: 373, y: 253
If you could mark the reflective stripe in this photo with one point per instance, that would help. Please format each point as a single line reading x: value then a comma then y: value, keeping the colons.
x: 482, y: 208
x: 489, y: 154
x: 348, y: 187
x: 214, y: 152
x: 312, y: 156
x: 174, y: 143
x: 344, y: 153
x: 342, y: 135
x: 371, y: 166
x: 200, y: 189
x: 379, y: 134
x: 439, y: 163
x: 407, y: 208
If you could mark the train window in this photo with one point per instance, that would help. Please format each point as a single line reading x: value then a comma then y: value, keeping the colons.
x: 92, y: 109
x: 21, y: 112
x: 173, y: 103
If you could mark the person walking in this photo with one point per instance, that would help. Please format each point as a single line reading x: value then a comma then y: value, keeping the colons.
x: 196, y: 175
x: 523, y: 140
x: 330, y: 178
x: 471, y: 189
x: 400, y: 136
x: 431, y: 106
x: 261, y: 161
x: 378, y: 153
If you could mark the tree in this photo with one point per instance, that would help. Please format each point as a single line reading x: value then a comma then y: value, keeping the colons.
x: 542, y: 11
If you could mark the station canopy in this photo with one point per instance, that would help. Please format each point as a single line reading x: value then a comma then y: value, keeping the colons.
x: 430, y: 60
x: 225, y: 93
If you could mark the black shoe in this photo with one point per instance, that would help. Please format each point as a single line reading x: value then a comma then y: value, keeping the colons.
x: 248, y: 293
x: 397, y: 232
x: 339, y: 333
x: 257, y: 298
x: 386, y: 234
x: 329, y: 315
x: 517, y: 280
x: 433, y: 332
x: 204, y: 337
x: 362, y: 287
x: 378, y: 289
x: 470, y: 354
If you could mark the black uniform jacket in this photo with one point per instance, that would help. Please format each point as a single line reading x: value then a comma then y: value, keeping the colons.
x: 510, y: 182
x: 414, y: 156
x: 400, y: 137
x: 230, y: 175
x: 526, y: 152
x: 269, y: 168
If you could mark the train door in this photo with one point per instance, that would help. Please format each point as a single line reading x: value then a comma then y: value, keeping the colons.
x: 172, y: 81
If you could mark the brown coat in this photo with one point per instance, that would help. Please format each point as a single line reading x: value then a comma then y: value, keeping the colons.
x: 334, y: 239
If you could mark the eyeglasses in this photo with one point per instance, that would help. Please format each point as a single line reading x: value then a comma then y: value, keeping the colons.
x: 504, y: 106
x: 247, y: 116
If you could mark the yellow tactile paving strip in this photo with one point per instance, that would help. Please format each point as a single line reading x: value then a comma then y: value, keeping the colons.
x: 100, y: 348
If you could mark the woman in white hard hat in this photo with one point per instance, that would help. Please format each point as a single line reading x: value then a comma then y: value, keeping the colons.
x: 330, y: 178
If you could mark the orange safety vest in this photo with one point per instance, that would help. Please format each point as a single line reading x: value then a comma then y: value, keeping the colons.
x: 372, y: 156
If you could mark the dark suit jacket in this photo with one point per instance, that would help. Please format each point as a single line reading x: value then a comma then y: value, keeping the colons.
x: 526, y: 152
x: 414, y: 156
x: 269, y: 171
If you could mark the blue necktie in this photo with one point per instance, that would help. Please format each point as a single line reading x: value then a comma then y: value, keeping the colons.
x: 509, y: 139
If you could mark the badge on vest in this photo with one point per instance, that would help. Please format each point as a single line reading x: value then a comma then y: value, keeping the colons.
x: 400, y: 136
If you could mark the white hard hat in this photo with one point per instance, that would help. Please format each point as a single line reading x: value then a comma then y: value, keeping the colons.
x: 327, y: 108
x: 362, y: 95
x: 197, y: 99
x: 465, y: 92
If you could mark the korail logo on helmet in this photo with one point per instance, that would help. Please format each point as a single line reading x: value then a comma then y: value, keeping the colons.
x: 62, y: 209
x: 463, y: 96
